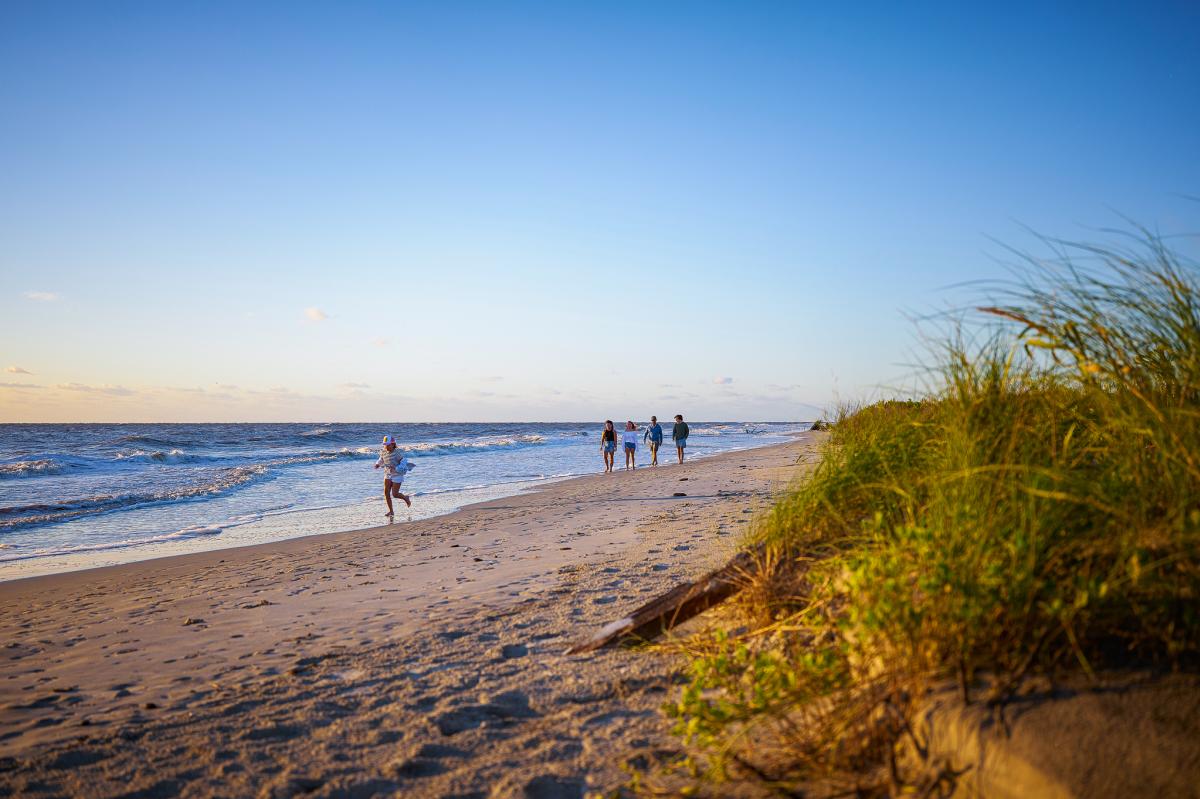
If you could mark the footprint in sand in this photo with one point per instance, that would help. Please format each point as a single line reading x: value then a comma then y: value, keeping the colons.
x: 426, y: 761
x: 553, y: 786
x: 504, y: 709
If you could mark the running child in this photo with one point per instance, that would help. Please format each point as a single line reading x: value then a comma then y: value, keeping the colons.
x: 395, y: 465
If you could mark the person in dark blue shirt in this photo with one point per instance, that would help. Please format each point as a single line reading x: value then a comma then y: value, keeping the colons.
x: 654, y: 437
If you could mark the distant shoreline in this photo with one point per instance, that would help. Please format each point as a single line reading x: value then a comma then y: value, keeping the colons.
x: 238, y: 540
x: 280, y: 484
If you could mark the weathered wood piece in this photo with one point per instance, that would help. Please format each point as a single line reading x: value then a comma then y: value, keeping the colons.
x: 677, y: 605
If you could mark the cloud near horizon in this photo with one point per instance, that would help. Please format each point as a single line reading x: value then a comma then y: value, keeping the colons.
x: 110, y: 390
x: 722, y: 381
x: 17, y: 370
x: 316, y: 314
x: 41, y: 296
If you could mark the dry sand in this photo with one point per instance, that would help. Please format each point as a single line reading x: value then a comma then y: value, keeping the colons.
x: 420, y: 659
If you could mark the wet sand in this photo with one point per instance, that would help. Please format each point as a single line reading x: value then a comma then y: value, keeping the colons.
x: 417, y: 659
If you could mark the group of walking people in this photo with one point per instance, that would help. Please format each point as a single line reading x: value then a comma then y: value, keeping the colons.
x: 651, y: 435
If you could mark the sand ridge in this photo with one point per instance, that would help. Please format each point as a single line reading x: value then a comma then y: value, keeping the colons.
x: 420, y: 659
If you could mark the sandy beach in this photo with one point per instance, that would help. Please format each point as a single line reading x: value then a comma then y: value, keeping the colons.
x: 418, y: 659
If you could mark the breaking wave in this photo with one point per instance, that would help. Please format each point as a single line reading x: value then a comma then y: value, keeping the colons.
x: 15, y: 517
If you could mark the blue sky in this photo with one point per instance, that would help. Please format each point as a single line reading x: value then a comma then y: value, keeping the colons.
x: 510, y: 211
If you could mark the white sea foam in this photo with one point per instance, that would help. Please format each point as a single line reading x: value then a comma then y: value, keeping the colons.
x: 187, y: 532
x: 474, y: 445
x: 706, y: 431
x: 14, y: 517
x: 33, y: 468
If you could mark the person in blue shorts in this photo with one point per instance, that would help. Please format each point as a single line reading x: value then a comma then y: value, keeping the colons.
x: 679, y: 435
x: 608, y: 445
x: 630, y: 437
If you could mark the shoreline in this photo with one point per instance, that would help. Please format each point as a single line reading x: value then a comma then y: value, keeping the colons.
x: 274, y: 527
x: 412, y: 640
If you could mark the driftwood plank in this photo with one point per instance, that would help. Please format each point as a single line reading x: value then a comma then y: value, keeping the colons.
x: 677, y: 605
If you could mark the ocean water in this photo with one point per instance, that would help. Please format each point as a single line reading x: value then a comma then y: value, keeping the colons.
x: 79, y: 495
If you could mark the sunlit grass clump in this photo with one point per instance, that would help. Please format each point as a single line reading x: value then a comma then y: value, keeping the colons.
x: 1038, y: 512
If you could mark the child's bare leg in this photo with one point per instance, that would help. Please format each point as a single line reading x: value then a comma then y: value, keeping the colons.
x: 387, y: 495
x: 396, y: 493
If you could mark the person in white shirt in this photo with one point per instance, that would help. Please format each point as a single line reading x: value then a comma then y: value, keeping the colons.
x: 630, y: 437
x: 395, y: 465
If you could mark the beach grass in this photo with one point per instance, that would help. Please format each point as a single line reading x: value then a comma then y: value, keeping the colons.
x: 1035, y: 512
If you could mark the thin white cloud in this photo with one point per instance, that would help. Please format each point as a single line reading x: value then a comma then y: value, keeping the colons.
x: 316, y: 314
x: 283, y: 394
x: 379, y: 342
x: 722, y: 381
x: 41, y: 296
x: 107, y: 389
x: 20, y: 386
x: 492, y: 379
x: 356, y: 385
x: 17, y: 370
